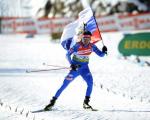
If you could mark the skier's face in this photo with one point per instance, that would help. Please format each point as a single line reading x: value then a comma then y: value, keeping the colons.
x: 86, y: 40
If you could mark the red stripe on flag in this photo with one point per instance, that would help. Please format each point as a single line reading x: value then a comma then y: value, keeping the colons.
x: 96, y: 36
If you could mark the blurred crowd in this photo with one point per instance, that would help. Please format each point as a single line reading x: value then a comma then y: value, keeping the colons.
x: 66, y: 8
x: 130, y: 6
x: 60, y: 8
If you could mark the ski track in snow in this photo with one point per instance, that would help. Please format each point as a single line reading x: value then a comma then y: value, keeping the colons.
x: 23, y: 92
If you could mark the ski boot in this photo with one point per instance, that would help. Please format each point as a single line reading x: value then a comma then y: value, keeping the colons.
x: 86, y: 103
x: 51, y: 104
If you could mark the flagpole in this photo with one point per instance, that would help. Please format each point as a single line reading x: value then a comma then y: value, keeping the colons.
x: 97, y: 26
x: 85, y: 5
x: 104, y: 47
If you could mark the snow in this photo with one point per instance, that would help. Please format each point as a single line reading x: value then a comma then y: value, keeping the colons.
x: 121, y: 88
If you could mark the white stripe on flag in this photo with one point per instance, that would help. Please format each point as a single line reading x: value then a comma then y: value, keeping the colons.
x: 69, y: 31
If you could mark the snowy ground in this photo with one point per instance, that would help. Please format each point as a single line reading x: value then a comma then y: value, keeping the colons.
x: 121, y: 88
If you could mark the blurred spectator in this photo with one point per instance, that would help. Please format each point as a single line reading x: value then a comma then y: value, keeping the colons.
x: 131, y: 7
x: 115, y: 8
x: 100, y: 9
x: 47, y: 9
x: 147, y: 3
x: 124, y: 7
x: 58, y: 8
x: 73, y: 8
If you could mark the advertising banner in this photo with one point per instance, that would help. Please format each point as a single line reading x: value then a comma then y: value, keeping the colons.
x: 135, y: 44
x: 56, y: 25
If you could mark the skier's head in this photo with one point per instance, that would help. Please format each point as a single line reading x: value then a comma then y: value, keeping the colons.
x: 86, y: 38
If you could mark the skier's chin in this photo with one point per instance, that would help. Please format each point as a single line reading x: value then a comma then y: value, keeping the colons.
x: 86, y: 44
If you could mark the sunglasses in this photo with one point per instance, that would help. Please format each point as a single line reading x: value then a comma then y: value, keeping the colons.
x: 86, y: 38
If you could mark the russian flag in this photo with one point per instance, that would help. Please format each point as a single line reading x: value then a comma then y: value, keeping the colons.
x: 68, y: 37
x: 85, y: 17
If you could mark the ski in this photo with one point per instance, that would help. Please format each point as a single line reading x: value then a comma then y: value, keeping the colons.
x: 86, y: 106
x: 42, y: 110
x: 94, y: 109
x: 91, y: 109
x: 38, y: 111
x: 55, y: 109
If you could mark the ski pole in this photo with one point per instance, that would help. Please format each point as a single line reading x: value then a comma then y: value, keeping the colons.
x: 54, y: 65
x: 42, y: 70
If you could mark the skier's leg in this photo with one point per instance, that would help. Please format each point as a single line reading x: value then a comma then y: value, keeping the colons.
x: 87, y: 76
x: 63, y: 86
x: 68, y: 79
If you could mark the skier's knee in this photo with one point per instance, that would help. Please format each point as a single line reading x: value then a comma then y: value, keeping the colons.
x: 89, y: 79
x: 69, y: 77
x: 90, y: 83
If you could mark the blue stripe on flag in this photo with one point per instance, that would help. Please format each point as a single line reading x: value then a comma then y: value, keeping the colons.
x: 91, y: 25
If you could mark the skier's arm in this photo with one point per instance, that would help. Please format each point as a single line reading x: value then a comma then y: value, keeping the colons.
x: 66, y: 43
x: 69, y: 53
x: 97, y: 51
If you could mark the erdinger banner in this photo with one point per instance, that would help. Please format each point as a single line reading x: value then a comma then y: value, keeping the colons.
x: 56, y: 25
x: 135, y: 44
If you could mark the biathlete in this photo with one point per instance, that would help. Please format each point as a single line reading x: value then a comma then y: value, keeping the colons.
x: 78, y: 57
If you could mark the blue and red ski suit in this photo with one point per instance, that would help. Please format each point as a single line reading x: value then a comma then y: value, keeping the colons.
x: 79, y: 55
